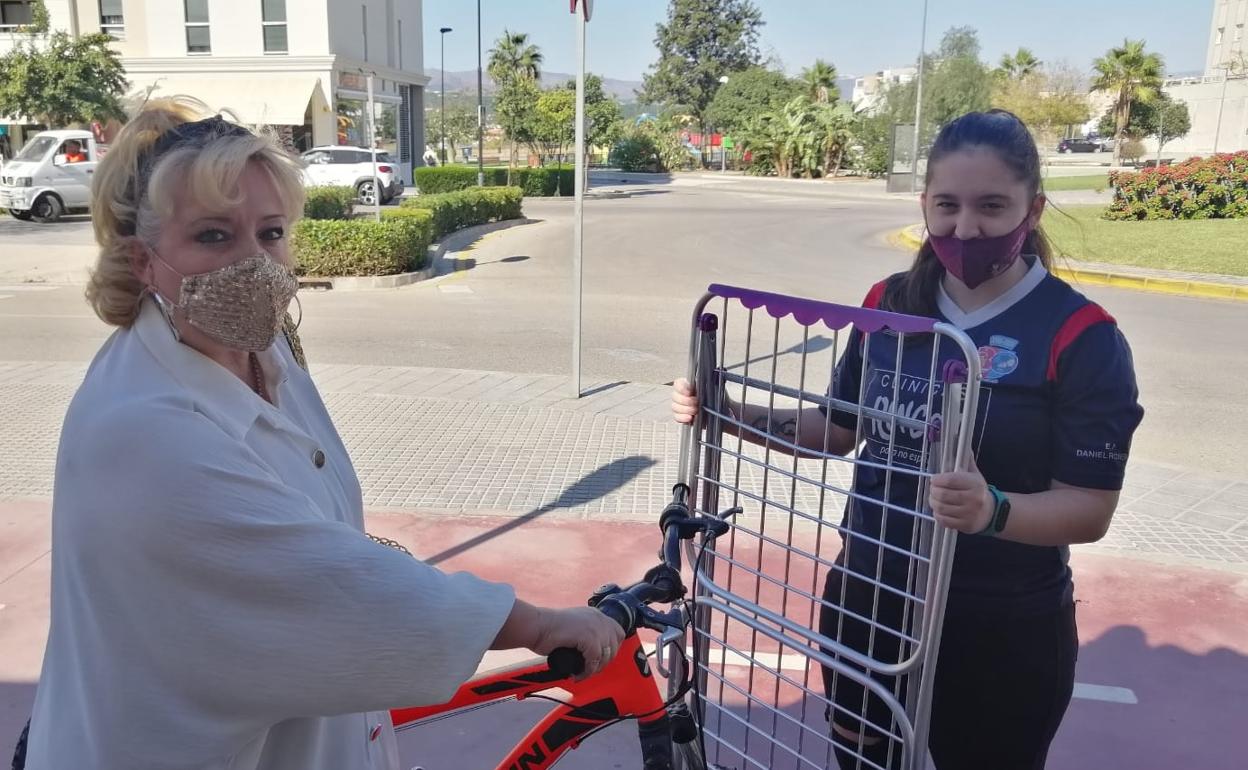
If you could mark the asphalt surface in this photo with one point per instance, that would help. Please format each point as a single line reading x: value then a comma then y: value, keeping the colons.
x: 650, y: 251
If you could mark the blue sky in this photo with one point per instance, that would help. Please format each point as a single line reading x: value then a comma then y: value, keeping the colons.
x: 858, y: 37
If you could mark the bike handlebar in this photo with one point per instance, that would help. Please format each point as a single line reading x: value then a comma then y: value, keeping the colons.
x: 662, y: 584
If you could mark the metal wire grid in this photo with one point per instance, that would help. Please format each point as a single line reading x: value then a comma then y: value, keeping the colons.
x: 760, y: 601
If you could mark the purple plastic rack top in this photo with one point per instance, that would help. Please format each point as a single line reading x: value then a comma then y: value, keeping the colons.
x: 808, y: 311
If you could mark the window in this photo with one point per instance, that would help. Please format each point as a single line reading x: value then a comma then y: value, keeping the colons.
x: 1239, y: 32
x: 1217, y: 39
x: 198, y: 38
x: 15, y: 13
x: 274, y: 16
x: 112, y: 19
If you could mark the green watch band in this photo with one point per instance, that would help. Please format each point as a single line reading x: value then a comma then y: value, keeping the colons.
x: 1000, y: 513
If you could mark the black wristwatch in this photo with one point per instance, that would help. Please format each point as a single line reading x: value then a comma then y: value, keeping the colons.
x: 1000, y: 513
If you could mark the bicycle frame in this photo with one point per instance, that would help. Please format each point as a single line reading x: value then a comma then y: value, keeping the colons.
x: 626, y: 686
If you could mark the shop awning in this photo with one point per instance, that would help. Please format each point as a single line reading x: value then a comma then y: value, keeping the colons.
x: 274, y: 101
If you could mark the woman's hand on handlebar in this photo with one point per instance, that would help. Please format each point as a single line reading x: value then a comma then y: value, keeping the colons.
x: 684, y: 401
x: 585, y: 629
x: 543, y: 630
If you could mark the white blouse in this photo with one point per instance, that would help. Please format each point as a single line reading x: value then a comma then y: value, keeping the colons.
x: 214, y: 601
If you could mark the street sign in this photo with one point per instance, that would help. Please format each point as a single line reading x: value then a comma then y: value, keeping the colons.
x: 587, y: 7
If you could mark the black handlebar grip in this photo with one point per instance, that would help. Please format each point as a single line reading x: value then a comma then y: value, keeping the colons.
x: 566, y: 662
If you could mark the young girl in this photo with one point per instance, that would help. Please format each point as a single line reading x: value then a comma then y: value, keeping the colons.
x: 1055, y: 423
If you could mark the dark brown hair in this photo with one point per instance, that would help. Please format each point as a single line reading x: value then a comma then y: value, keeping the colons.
x: 915, y: 290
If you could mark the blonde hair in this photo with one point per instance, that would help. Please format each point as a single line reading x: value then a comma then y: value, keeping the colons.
x: 130, y: 201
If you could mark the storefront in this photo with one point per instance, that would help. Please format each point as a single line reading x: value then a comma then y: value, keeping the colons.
x: 294, y: 105
x: 394, y: 107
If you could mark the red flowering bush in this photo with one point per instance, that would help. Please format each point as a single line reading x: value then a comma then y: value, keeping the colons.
x: 1198, y: 188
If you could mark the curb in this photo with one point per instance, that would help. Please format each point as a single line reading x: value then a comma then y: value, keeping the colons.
x: 1181, y: 287
x: 434, y: 261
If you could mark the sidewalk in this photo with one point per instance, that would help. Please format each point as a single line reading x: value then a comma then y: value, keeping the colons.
x: 457, y: 441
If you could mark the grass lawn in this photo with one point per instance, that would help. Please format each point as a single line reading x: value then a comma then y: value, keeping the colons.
x: 1060, y: 183
x: 1196, y: 246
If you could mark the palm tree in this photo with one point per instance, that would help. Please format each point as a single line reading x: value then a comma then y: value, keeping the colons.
x: 820, y: 80
x: 1132, y: 75
x: 513, y: 58
x: 1020, y: 64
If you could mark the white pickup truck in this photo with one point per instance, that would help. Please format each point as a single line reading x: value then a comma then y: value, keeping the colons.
x: 51, y: 175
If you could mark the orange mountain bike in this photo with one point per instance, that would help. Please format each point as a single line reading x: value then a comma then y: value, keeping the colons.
x: 671, y: 737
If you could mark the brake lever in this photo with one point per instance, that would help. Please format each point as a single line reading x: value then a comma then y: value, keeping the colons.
x: 672, y: 635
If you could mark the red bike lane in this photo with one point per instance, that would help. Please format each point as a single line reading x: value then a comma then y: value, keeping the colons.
x: 1162, y: 673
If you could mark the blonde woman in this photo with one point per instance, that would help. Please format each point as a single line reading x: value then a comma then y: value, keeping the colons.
x: 215, y: 602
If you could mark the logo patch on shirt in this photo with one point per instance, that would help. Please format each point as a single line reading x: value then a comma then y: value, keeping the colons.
x: 998, y: 358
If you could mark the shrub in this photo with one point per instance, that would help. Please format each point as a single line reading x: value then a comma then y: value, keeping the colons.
x: 635, y: 151
x: 355, y: 247
x: 1198, y: 188
x: 457, y: 210
x: 535, y: 182
x: 328, y: 202
x: 432, y: 180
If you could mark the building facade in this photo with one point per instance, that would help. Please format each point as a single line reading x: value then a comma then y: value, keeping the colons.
x: 300, y: 66
x: 1218, y: 100
x: 869, y: 89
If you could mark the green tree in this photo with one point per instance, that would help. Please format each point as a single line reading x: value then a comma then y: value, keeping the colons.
x: 820, y: 80
x: 1019, y: 65
x: 603, y: 122
x: 702, y: 41
x: 515, y: 65
x: 554, y: 121
x: 1131, y: 74
x: 1048, y: 100
x: 747, y: 95
x: 515, y: 106
x: 63, y: 80
x: 461, y: 127
x: 1163, y: 118
x: 959, y: 83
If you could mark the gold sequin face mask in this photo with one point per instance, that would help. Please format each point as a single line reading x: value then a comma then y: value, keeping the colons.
x: 241, y: 305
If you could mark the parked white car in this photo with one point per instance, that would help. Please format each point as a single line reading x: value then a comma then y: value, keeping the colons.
x: 51, y: 175
x: 353, y: 167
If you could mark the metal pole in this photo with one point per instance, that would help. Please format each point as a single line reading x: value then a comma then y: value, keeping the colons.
x: 480, y: 108
x: 918, y: 107
x: 442, y: 151
x: 1161, y: 130
x: 578, y: 217
x: 372, y: 146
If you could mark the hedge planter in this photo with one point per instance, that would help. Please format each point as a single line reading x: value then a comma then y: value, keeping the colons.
x: 541, y: 182
x: 363, y: 247
x: 477, y: 206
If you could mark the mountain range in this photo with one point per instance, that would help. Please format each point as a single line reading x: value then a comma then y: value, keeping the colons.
x: 466, y: 81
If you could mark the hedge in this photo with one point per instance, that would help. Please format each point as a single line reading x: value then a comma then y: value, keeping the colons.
x: 353, y: 247
x: 1198, y: 188
x: 457, y: 210
x: 542, y: 182
x: 328, y: 202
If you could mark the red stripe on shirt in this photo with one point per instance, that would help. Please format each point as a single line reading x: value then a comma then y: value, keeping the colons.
x: 1079, y: 321
x: 875, y: 295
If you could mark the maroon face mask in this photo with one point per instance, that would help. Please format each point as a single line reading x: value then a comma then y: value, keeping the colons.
x: 976, y: 260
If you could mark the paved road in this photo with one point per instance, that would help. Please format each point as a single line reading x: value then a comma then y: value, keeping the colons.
x: 647, y: 259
